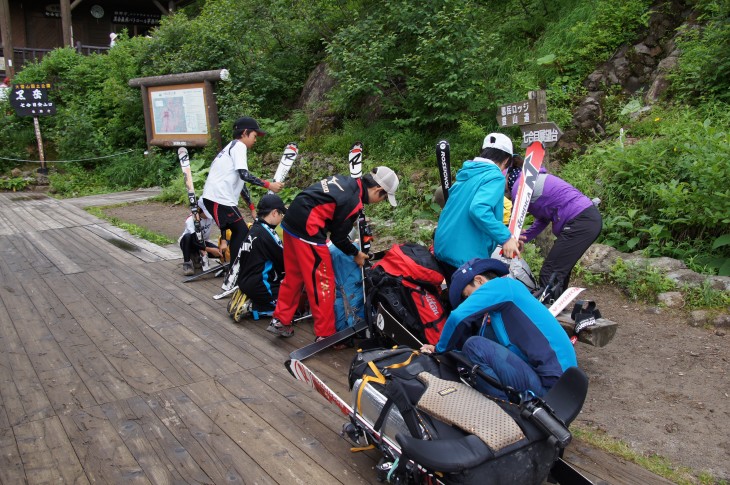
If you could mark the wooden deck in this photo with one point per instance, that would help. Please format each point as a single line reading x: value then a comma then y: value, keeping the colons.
x: 114, y: 371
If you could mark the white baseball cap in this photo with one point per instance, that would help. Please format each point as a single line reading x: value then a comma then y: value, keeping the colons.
x: 498, y: 141
x: 388, y: 180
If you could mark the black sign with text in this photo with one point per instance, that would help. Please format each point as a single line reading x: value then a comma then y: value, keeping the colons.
x: 31, y: 99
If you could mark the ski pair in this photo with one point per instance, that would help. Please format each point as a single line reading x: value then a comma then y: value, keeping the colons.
x: 287, y: 160
x: 365, y: 236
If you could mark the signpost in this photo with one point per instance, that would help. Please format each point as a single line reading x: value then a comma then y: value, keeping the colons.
x: 31, y: 99
x: 548, y: 133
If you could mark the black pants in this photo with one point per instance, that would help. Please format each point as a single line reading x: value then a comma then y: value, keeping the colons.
x: 575, y: 238
x: 188, y: 244
x: 229, y: 217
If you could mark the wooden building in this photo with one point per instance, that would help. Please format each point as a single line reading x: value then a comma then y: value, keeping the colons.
x: 31, y: 28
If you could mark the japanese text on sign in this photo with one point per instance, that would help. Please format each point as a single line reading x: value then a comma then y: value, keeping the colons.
x: 31, y: 99
x: 544, y: 136
x: 548, y: 133
x: 521, y: 113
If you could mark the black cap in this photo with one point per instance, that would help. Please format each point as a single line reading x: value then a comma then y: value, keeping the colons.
x: 270, y: 202
x: 248, y: 123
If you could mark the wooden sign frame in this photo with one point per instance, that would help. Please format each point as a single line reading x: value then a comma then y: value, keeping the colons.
x: 171, y: 93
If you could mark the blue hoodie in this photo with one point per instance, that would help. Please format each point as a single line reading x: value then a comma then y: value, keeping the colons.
x: 470, y: 225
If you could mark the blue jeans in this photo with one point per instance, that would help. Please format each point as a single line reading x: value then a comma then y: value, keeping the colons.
x: 505, y: 366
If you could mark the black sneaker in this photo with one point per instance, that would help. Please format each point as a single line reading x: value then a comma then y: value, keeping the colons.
x: 280, y: 329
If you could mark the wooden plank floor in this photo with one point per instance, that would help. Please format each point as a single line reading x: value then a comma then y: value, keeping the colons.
x: 114, y: 371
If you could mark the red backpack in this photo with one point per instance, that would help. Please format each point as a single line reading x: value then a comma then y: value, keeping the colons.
x: 407, y: 282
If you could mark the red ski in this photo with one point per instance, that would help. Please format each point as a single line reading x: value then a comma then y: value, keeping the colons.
x: 533, y: 162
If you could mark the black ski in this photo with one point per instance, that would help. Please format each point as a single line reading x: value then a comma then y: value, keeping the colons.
x: 287, y: 160
x: 222, y: 267
x: 184, y: 157
x: 443, y: 159
x: 316, y: 347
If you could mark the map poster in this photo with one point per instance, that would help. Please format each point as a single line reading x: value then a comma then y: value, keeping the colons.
x: 179, y: 111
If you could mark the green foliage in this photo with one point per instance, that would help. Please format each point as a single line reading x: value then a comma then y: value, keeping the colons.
x: 705, y: 297
x: 14, y: 183
x: 73, y: 180
x: 703, y: 73
x: 640, y: 283
x: 666, y: 194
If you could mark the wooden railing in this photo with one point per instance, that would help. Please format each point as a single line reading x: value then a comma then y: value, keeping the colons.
x: 25, y: 54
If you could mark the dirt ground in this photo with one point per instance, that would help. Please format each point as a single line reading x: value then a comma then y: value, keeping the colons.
x: 661, y: 386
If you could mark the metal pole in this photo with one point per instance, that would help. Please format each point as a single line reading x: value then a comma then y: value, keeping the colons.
x: 38, y: 137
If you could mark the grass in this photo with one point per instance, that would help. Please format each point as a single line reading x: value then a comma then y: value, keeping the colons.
x: 656, y: 464
x: 135, y: 230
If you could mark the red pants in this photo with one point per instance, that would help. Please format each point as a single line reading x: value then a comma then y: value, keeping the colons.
x: 309, y: 266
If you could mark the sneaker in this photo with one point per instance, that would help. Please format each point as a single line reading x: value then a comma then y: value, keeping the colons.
x: 280, y: 329
x: 188, y: 269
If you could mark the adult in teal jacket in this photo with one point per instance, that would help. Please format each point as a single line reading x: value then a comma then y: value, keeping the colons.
x: 504, y: 330
x: 470, y: 225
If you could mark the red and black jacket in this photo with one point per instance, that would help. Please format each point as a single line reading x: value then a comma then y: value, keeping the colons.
x: 328, y: 206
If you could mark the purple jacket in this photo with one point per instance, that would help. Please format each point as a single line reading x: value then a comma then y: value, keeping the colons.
x: 553, y: 200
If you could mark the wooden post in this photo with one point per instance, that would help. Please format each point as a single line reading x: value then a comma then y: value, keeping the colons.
x: 38, y: 137
x: 68, y: 40
x: 7, y: 38
x: 545, y: 239
x: 540, y: 98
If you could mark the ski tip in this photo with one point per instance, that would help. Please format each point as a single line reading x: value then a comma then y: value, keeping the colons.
x: 182, y: 152
x: 442, y: 144
x: 288, y: 365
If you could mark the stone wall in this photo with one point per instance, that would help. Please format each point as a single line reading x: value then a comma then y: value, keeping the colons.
x: 600, y: 259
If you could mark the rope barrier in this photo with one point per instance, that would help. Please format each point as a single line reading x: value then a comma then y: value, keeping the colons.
x: 69, y: 161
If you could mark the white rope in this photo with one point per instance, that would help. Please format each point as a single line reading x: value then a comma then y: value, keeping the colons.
x: 68, y: 161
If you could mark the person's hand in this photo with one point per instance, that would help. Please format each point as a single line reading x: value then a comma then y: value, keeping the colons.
x: 511, y: 248
x: 522, y: 242
x: 276, y: 186
x: 428, y: 349
x: 360, y: 258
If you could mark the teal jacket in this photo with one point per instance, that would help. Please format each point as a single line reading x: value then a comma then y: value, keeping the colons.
x: 470, y: 225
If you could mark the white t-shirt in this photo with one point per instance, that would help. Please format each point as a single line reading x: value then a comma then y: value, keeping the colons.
x: 224, y: 184
x: 205, y: 227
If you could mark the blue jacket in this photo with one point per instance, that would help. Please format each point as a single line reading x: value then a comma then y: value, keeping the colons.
x: 470, y: 226
x: 518, y: 321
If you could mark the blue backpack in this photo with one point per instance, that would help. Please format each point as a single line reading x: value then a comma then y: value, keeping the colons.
x: 350, y: 301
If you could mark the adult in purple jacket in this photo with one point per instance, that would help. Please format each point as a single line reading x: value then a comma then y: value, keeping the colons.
x: 576, y: 224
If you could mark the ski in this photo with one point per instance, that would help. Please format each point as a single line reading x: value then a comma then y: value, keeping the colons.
x: 365, y: 234
x: 443, y: 159
x: 220, y: 267
x: 287, y: 160
x: 568, y: 295
x: 184, y: 157
x: 316, y: 347
x: 530, y: 170
x: 301, y: 372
